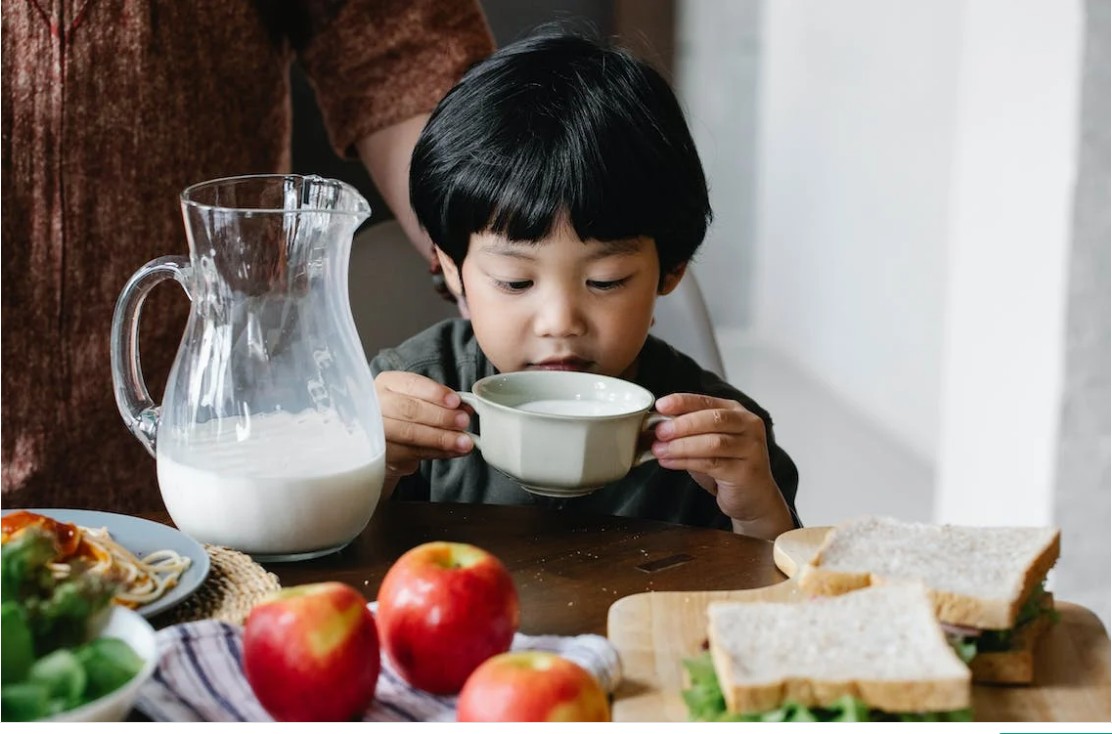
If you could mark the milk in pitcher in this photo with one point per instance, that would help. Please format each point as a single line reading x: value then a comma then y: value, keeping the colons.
x: 277, y: 484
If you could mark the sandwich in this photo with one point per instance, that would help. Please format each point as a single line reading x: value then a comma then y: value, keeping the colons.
x: 987, y: 585
x: 877, y: 654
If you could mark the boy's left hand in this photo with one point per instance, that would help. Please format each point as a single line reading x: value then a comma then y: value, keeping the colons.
x: 724, y: 448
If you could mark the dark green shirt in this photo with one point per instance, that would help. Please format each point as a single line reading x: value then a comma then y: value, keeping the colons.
x: 449, y: 354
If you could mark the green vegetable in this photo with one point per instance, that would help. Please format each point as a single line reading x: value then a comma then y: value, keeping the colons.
x: 48, y: 666
x: 18, y: 650
x: 23, y: 564
x: 61, y: 675
x: 705, y: 702
x: 109, y: 663
x: 1032, y: 609
x: 965, y: 647
x: 704, y: 698
x: 57, y: 611
x: 23, y: 702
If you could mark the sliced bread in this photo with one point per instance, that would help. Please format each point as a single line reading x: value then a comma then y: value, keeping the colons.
x: 977, y: 576
x: 881, y: 645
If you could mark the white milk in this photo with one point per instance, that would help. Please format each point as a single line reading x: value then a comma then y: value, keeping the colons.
x: 297, y: 483
x: 576, y: 407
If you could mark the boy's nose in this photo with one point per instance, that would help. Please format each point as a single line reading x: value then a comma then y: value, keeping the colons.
x: 559, y: 316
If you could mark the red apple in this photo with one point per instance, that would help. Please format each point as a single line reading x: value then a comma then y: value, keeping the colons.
x: 531, y: 685
x: 311, y: 653
x: 443, y: 609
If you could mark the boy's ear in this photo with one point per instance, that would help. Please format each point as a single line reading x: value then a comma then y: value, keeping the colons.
x: 451, y: 273
x: 671, y: 279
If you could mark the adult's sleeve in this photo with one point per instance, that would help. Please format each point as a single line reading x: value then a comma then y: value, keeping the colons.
x: 375, y: 63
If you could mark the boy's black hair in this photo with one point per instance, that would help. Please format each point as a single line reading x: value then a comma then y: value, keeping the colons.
x: 558, y: 123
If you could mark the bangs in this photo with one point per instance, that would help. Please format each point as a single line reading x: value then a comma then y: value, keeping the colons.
x: 530, y: 187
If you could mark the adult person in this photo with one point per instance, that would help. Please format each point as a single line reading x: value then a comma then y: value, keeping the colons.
x: 110, y: 109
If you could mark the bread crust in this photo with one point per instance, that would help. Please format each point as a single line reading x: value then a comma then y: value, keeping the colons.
x: 891, y: 696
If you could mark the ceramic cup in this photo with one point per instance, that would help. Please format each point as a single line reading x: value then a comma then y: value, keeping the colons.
x: 561, y: 434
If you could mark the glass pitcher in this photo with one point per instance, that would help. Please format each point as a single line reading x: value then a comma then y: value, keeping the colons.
x: 269, y: 437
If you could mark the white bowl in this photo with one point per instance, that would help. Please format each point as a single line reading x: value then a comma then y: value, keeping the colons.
x: 130, y: 627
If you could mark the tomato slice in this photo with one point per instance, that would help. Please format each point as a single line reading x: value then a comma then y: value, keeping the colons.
x: 67, y: 537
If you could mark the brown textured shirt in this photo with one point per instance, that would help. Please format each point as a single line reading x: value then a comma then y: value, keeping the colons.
x: 110, y: 109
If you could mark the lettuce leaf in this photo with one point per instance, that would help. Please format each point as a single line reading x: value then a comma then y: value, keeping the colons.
x: 1032, y: 609
x: 965, y: 647
x: 703, y: 698
x: 705, y: 702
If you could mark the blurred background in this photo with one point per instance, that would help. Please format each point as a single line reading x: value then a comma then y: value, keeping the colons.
x: 909, y: 264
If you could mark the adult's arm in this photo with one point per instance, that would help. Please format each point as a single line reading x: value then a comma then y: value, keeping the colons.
x: 386, y: 154
x: 378, y: 68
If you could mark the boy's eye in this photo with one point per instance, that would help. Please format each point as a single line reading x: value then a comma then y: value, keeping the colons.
x: 606, y: 285
x: 513, y: 286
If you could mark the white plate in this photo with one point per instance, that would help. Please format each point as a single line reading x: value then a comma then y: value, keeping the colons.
x: 142, y: 537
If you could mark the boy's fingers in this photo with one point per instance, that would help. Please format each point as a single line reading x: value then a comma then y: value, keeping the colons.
x: 423, y: 441
x: 685, y: 402
x: 715, y: 447
x: 710, y: 467
x: 726, y: 420
x: 414, y: 410
x: 419, y: 386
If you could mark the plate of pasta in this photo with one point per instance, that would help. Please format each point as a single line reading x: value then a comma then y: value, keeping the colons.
x: 153, y: 565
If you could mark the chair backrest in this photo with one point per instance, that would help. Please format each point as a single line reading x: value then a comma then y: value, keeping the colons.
x: 392, y: 299
x: 682, y: 320
x: 391, y: 295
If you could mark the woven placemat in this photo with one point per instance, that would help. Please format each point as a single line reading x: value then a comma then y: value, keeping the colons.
x: 235, y: 583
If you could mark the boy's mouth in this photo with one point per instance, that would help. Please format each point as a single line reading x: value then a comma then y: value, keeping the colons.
x: 565, y: 364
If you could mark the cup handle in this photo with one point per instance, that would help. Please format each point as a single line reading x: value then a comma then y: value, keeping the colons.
x: 652, y: 418
x: 473, y: 401
x: 139, y: 412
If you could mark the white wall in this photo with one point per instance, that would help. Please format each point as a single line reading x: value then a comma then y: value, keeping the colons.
x: 927, y: 247
x: 717, y: 64
x: 855, y: 140
x: 1010, y: 232
x: 1082, y: 502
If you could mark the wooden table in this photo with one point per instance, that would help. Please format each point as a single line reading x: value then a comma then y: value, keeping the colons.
x: 568, y: 568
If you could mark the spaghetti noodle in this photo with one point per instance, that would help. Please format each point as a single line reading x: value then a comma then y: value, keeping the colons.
x: 140, y: 580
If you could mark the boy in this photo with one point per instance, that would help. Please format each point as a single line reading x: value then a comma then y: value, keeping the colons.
x: 563, y: 192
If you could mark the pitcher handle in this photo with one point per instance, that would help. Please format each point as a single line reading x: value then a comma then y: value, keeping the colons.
x: 139, y: 412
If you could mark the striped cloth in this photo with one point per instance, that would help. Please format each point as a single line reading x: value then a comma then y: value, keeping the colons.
x: 200, y: 677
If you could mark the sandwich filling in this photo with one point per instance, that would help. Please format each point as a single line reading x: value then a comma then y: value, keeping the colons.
x: 705, y: 702
x: 968, y: 642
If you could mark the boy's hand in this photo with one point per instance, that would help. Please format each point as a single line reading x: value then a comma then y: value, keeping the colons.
x: 724, y: 448
x: 422, y: 419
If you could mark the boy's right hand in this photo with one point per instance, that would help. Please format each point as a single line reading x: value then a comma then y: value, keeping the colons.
x: 422, y: 419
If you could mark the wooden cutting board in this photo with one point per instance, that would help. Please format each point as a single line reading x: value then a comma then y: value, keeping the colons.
x: 655, y: 631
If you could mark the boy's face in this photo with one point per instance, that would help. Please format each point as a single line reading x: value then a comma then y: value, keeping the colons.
x: 561, y: 303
